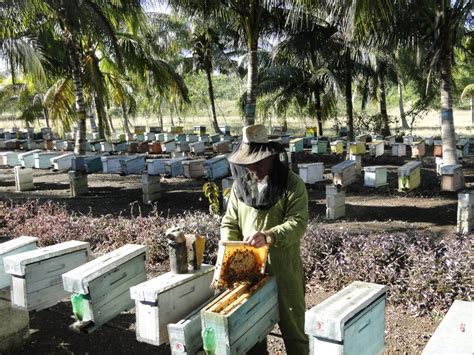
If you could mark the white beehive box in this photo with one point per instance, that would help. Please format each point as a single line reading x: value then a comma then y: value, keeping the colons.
x: 311, y: 172
x: 182, y: 146
x: 174, y: 167
x: 62, y: 162
x: 43, y: 160
x: 151, y: 187
x: 9, y: 159
x: 23, y: 178
x: 27, y: 159
x: 376, y: 148
x: 12, y: 247
x: 399, y: 150
x: 167, y: 299
x: 101, y: 287
x: 455, y: 333
x: 375, y: 176
x: 193, y: 168
x: 133, y: 164
x: 465, y: 215
x: 344, y: 173
x: 168, y: 146
x: 36, y: 274
x: 156, y: 166
x: 106, y: 147
x: 111, y: 164
x: 350, y: 322
x: 408, y: 140
x: 191, y: 138
x: 335, y: 202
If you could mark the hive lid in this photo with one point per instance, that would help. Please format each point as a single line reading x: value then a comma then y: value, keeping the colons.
x: 238, y: 262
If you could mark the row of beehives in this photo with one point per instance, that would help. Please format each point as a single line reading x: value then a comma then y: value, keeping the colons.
x: 174, y: 308
x: 213, y: 168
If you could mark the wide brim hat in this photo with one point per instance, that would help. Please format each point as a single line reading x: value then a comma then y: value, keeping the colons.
x: 254, y: 147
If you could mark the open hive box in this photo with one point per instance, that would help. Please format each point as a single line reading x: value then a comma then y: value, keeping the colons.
x: 248, y: 310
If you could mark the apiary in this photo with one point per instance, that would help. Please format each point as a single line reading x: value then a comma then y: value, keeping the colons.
x: 43, y: 160
x: 193, y: 168
x: 247, y: 311
x: 23, y: 178
x: 132, y: 164
x: 452, y: 178
x: 418, y: 149
x: 168, y: 146
x: 408, y: 140
x: 335, y: 202
x: 62, y: 162
x: 296, y: 145
x: 350, y: 322
x: 197, y: 147
x: 337, y: 147
x: 454, y: 333
x: 100, y: 288
x: 375, y: 176
x: 311, y: 172
x: 409, y: 176
x: 376, y: 148
x: 216, y: 167
x: 27, y: 159
x: 151, y: 188
x: 344, y: 173
x: 154, y: 147
x: 319, y: 146
x: 12, y: 247
x: 167, y: 299
x: 356, y: 148
x: 78, y: 183
x: 9, y: 159
x: 438, y: 148
x: 36, y: 274
x: 399, y: 150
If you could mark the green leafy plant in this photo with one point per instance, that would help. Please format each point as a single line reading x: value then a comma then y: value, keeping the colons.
x: 211, y: 191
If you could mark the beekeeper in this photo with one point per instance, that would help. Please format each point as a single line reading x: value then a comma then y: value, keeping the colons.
x: 269, y: 205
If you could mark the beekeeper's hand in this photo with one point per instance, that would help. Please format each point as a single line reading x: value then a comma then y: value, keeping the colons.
x: 257, y: 239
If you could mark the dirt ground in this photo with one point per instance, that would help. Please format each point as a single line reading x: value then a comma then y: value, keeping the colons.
x: 368, y: 209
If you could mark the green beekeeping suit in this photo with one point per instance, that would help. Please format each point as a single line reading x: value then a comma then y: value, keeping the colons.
x: 287, y: 220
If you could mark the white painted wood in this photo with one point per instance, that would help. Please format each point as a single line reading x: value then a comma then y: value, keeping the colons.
x: 193, y: 168
x: 169, y: 145
x: 77, y: 280
x: 133, y: 164
x: 15, y: 246
x: 408, y: 140
x: 62, y: 162
x: 450, y: 169
x: 156, y: 166
x: 9, y: 159
x: 375, y: 176
x: 23, y: 178
x: 167, y: 299
x: 27, y: 159
x: 328, y: 319
x: 111, y: 164
x: 399, y: 150
x: 197, y: 147
x: 17, y: 264
x: 311, y: 172
x: 43, y: 160
x: 455, y: 333
x: 409, y: 168
x: 182, y: 146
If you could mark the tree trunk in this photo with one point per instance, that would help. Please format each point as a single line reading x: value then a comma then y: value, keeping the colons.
x: 319, y: 114
x: 160, y: 112
x: 472, y: 109
x: 46, y: 116
x: 171, y: 116
x: 177, y: 112
x: 80, y: 105
x: 348, y: 92
x: 111, y: 124
x: 92, y: 119
x: 12, y: 67
x: 251, y: 103
x: 211, y: 101
x: 101, y: 117
x: 448, y: 134
x: 383, y: 101
x: 126, y: 126
x: 403, y: 119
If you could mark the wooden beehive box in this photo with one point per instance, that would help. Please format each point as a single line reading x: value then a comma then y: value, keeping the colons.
x: 337, y: 147
x: 452, y: 178
x: 101, y: 287
x: 335, y: 202
x: 438, y: 148
x: 241, y: 324
x: 203, y: 138
x: 214, y: 138
x: 156, y: 166
x: 193, y: 168
x: 27, y: 159
x: 181, y: 137
x: 197, y: 147
x: 61, y: 144
x: 399, y: 150
x: 106, y: 147
x: 296, y: 145
x: 225, y: 129
x: 375, y: 176
x: 93, y: 164
x: 154, y: 147
x: 120, y: 146
x: 191, y: 138
x: 169, y: 137
x: 216, y: 167
x: 43, y: 160
x: 182, y: 146
x: 408, y: 140
x: 350, y: 322
x: 344, y: 173
x: 9, y: 159
x: 199, y: 130
x: 151, y: 188
x: 167, y: 299
x: 63, y: 161
x: 357, y: 148
x: 311, y: 172
x: 409, y: 176
x: 174, y: 167
x: 462, y: 148
x: 455, y: 332
x: 319, y: 146
x: 429, y: 141
x: 132, y: 164
x: 390, y: 140
x: 168, y: 146
x: 418, y: 149
x: 36, y: 274
x: 33, y: 144
x: 23, y: 178
x: 111, y: 164
x: 12, y: 247
x: 361, y: 138
x: 376, y: 148
x: 176, y: 129
x: 221, y: 147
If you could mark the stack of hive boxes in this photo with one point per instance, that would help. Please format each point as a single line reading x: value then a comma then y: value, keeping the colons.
x: 335, y: 202
x: 466, y: 212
